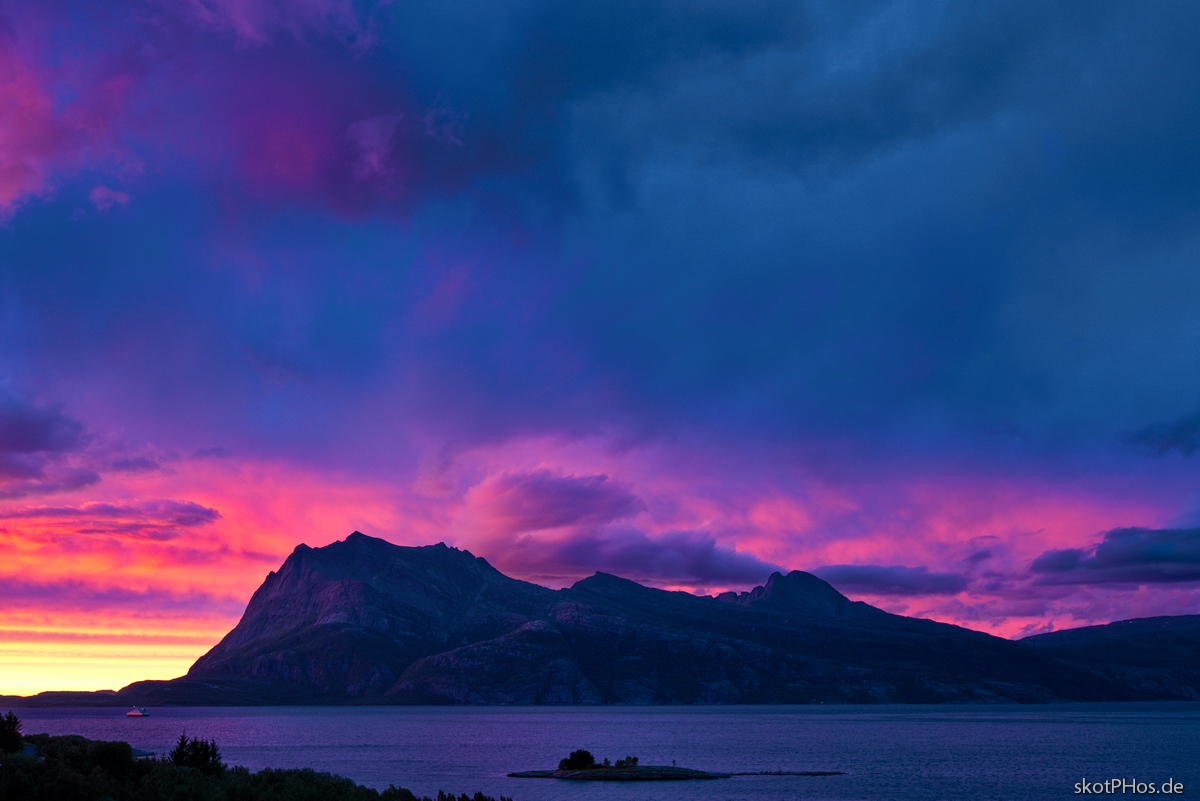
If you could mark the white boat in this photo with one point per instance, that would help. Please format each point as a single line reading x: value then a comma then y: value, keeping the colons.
x: 137, y: 712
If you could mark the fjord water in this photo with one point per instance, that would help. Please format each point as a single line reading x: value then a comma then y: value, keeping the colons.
x: 903, y: 753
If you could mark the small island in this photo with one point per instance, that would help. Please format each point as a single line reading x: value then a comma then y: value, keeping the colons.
x: 582, y: 766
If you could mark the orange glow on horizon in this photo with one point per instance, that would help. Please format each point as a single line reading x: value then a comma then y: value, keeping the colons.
x: 27, y: 668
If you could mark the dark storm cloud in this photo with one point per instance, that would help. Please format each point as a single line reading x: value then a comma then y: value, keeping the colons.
x: 891, y: 580
x: 815, y: 225
x: 788, y: 253
x: 762, y: 221
x: 771, y: 227
x: 513, y: 503
x: 1125, y: 556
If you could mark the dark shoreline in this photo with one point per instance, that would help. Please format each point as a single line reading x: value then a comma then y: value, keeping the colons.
x: 245, y: 697
x: 652, y: 773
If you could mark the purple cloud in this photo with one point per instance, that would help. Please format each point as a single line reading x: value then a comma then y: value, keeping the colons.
x: 147, y: 520
x: 676, y: 557
x: 255, y: 22
x: 135, y: 464
x: 212, y: 453
x: 29, y: 429
x: 1125, y: 556
x: 50, y: 480
x: 891, y: 580
x: 34, y: 442
x: 70, y: 595
x: 540, y: 500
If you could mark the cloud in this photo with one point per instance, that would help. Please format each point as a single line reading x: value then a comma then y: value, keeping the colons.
x: 135, y: 464
x: 806, y: 250
x: 73, y: 595
x: 374, y: 137
x: 521, y: 502
x: 59, y: 110
x: 212, y: 453
x: 31, y: 134
x: 255, y: 22
x: 891, y: 580
x: 147, y: 520
x: 674, y: 558
x: 50, y: 480
x: 29, y: 429
x: 104, y: 198
x: 1125, y: 556
x: 1182, y: 435
x: 37, y: 447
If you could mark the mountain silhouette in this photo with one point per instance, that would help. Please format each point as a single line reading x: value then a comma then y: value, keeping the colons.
x: 366, y: 621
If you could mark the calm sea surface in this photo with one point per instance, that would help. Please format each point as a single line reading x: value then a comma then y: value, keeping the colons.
x: 897, y: 753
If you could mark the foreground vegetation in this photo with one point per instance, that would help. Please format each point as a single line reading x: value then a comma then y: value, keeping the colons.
x: 73, y: 768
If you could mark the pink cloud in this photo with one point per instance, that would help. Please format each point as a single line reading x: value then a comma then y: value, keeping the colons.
x: 60, y: 105
x: 32, y: 134
x: 512, y: 503
x: 375, y: 138
x: 104, y: 198
x: 255, y: 22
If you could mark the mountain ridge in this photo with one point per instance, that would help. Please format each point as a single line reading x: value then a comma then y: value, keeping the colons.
x: 364, y: 621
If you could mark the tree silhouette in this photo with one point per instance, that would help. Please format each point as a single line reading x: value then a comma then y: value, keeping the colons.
x: 578, y: 760
x: 203, y: 755
x: 10, y: 733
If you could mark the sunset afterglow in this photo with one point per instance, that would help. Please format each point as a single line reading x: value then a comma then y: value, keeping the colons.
x: 579, y: 288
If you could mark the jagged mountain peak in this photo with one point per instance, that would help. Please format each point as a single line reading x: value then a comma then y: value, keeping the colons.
x: 795, y: 591
x: 361, y: 556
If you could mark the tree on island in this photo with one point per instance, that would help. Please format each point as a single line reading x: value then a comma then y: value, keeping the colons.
x: 578, y: 760
x: 10, y: 733
x: 583, y: 760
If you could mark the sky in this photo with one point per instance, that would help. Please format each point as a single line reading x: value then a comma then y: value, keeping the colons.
x: 904, y: 294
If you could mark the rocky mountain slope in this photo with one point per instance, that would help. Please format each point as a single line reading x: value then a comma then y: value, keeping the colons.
x: 363, y: 620
x: 1158, y: 656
